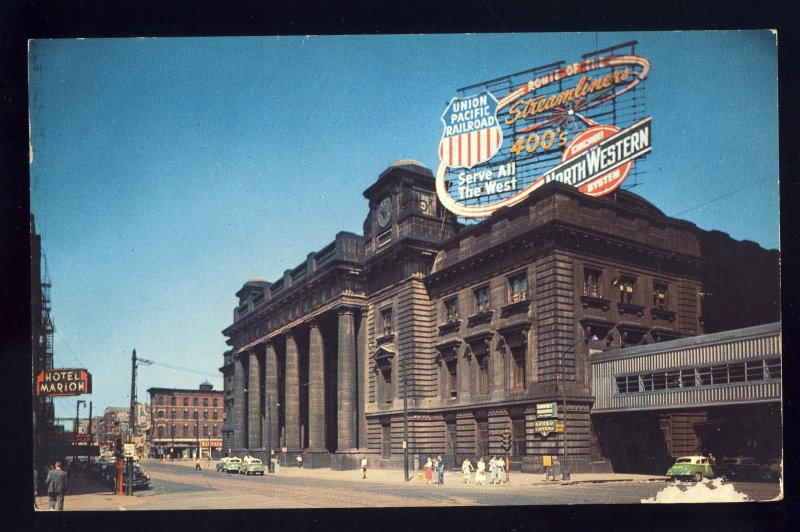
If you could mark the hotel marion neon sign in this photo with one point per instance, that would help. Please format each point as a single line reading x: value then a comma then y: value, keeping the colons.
x: 492, y: 150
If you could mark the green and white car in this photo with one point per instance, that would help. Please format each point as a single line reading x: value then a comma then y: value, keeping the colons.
x: 691, y: 467
x: 251, y: 466
x: 232, y: 465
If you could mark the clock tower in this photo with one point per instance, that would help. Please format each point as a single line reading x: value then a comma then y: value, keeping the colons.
x: 404, y: 210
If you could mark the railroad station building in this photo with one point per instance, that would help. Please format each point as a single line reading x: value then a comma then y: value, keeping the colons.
x: 560, y: 299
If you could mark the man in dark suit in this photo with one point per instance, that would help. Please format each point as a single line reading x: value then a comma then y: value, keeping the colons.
x: 56, y: 487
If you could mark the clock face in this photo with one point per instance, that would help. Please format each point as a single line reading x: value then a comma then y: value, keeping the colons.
x: 384, y: 212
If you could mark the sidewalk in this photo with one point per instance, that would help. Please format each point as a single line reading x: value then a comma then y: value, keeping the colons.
x: 451, y: 476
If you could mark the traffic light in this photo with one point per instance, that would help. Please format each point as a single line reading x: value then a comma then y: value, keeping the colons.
x: 118, y: 448
x: 506, y: 441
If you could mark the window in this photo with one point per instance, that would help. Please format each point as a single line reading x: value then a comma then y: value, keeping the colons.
x: 660, y: 295
x: 773, y: 367
x: 185, y: 401
x: 518, y: 288
x: 647, y: 382
x: 518, y: 368
x: 185, y: 431
x: 659, y: 381
x: 161, y: 414
x: 386, y: 321
x: 185, y: 414
x: 719, y: 375
x: 160, y: 401
x: 755, y: 370
x: 627, y: 285
x: 172, y: 401
x: 172, y: 431
x: 194, y: 431
x: 483, y: 375
x: 450, y: 379
x: 205, y: 431
x: 482, y: 299
x: 161, y: 431
x: 688, y: 378
x: 194, y: 414
x: 205, y: 401
x: 673, y: 379
x: 215, y: 415
x: 214, y: 402
x: 172, y: 414
x: 386, y: 385
x: 591, y: 282
x: 194, y: 401
x: 736, y: 372
x: 451, y: 309
x: 205, y: 414
x: 704, y: 376
x: 214, y: 431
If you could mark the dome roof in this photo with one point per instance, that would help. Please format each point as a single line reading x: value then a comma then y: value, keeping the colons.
x: 409, y: 162
x: 256, y: 281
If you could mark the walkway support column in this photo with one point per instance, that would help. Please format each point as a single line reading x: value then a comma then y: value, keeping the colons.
x: 347, y: 400
x: 292, y: 399
x: 254, y: 402
x: 316, y: 388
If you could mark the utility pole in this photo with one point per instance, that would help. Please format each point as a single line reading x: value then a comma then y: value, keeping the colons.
x: 77, y: 423
x: 133, y: 397
x: 89, y: 458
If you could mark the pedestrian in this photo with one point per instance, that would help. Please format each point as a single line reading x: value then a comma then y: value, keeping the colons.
x: 500, y: 464
x: 364, y: 467
x: 299, y: 460
x: 480, y: 472
x: 429, y: 471
x: 35, y: 488
x: 439, y: 470
x: 466, y: 469
x: 712, y: 459
x: 56, y: 483
x: 197, y: 465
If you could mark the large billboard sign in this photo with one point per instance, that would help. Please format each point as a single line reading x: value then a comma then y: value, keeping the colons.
x: 580, y: 124
x: 55, y: 382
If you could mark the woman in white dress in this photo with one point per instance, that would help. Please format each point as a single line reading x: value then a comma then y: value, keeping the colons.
x: 466, y: 469
x: 480, y: 472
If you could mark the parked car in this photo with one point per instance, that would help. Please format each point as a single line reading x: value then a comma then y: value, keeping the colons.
x: 232, y: 465
x: 140, y: 479
x: 691, y: 467
x: 251, y: 466
x: 742, y: 468
x: 222, y: 465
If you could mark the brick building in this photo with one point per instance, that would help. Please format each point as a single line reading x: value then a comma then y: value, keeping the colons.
x: 183, y: 420
x: 475, y: 326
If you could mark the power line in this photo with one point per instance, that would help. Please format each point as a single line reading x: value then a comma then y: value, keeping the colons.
x: 181, y: 368
x: 731, y: 193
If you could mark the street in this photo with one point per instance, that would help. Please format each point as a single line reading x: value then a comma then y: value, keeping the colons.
x: 176, y: 485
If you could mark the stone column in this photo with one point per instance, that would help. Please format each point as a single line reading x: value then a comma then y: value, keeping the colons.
x: 292, y: 399
x: 271, y: 430
x: 254, y: 402
x: 316, y: 389
x: 346, y: 393
x: 239, y: 406
x: 363, y: 382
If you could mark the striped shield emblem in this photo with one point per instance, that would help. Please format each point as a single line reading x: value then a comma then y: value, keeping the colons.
x: 471, y: 134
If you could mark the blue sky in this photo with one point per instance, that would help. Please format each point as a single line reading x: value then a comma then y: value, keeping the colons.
x: 167, y: 172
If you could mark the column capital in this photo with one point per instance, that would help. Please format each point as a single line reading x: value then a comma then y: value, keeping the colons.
x: 347, y: 309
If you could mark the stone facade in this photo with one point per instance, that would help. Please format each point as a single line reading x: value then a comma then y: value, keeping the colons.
x: 457, y: 331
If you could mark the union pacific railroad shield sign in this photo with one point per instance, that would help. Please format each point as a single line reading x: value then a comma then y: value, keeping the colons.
x: 471, y: 133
